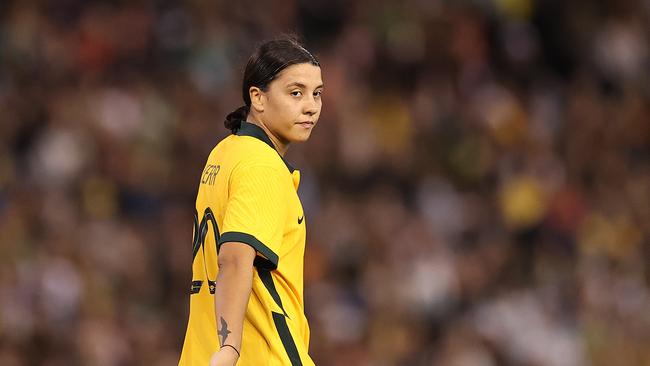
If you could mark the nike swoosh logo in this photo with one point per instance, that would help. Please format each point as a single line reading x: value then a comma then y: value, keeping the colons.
x: 300, y: 219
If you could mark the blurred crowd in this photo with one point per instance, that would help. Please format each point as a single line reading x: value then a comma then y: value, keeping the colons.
x: 477, y: 191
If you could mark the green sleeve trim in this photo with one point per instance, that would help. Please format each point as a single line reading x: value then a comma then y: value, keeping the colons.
x: 270, y: 260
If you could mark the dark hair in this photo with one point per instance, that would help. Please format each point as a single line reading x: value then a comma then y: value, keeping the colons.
x: 270, y: 58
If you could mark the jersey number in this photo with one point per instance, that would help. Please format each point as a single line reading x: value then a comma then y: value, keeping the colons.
x: 198, y: 243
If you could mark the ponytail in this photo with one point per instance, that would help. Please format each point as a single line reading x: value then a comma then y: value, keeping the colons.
x: 234, y: 119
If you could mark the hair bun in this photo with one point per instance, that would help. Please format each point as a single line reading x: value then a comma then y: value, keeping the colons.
x: 234, y: 119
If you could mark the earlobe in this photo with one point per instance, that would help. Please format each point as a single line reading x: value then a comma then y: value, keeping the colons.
x: 257, y: 99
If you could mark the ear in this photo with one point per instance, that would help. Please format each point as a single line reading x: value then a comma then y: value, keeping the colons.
x: 257, y: 99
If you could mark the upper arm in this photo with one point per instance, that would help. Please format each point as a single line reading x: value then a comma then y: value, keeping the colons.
x: 236, y: 253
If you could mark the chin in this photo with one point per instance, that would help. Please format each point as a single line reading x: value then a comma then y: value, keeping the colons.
x: 301, y: 136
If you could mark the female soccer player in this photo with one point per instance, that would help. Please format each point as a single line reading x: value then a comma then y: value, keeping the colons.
x: 246, y: 303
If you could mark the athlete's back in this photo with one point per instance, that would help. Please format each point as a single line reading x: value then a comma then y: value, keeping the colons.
x: 247, y: 194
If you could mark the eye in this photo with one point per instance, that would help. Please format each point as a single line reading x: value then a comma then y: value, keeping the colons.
x: 296, y: 93
x: 318, y: 93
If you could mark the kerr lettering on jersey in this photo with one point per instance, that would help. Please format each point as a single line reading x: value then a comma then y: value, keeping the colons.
x: 210, y: 173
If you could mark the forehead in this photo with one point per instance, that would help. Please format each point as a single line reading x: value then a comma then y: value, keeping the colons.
x: 305, y: 73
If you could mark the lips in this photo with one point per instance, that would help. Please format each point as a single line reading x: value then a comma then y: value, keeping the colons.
x: 306, y: 123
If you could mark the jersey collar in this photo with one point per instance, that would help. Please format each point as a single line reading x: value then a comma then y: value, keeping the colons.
x: 253, y: 130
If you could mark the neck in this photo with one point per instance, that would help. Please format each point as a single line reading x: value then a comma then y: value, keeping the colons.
x: 280, y: 146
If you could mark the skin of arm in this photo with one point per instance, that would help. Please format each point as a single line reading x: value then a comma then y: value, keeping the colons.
x: 233, y: 290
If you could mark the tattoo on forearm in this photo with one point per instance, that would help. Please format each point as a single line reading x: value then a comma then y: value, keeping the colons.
x: 223, y: 332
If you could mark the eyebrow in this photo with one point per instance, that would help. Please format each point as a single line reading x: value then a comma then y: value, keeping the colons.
x: 301, y: 85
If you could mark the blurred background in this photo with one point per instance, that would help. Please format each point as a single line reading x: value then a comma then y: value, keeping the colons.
x: 477, y: 191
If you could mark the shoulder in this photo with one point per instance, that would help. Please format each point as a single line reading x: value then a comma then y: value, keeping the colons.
x: 247, y: 157
x: 250, y: 157
x: 255, y: 153
x: 244, y: 150
x: 259, y: 177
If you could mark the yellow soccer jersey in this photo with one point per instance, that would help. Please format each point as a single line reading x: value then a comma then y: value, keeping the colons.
x: 248, y: 194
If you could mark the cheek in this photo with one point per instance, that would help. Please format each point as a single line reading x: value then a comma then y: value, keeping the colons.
x: 288, y: 108
x: 275, y: 107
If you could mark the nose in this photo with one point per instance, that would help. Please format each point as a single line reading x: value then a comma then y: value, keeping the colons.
x: 311, y: 107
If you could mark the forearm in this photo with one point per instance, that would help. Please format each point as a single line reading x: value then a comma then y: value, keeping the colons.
x: 233, y: 290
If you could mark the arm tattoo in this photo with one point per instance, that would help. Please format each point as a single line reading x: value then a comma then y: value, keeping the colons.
x: 223, y: 332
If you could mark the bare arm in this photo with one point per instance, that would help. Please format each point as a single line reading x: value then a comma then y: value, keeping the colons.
x: 233, y: 290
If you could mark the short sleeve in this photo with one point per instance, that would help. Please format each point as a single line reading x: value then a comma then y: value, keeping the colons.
x: 256, y: 212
